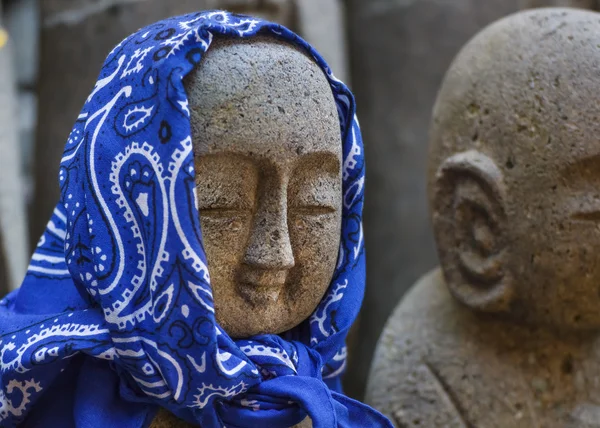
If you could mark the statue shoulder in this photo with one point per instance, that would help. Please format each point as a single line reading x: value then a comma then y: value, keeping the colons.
x: 401, y: 371
x: 422, y: 305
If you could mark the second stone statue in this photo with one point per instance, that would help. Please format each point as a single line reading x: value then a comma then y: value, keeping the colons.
x: 505, y: 332
x: 205, y: 261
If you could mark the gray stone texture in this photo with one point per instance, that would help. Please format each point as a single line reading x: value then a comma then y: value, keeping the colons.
x: 399, y: 51
x: 304, y: 110
x: 440, y: 365
x: 505, y: 334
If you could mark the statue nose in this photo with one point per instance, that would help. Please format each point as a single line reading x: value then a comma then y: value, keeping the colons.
x: 270, y: 246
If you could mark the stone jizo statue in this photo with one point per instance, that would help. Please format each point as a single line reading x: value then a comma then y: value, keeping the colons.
x: 268, y: 148
x: 506, y: 332
x: 205, y: 261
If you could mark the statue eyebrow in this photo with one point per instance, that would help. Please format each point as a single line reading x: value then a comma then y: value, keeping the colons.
x: 219, y: 195
x: 589, y: 166
x: 325, y: 160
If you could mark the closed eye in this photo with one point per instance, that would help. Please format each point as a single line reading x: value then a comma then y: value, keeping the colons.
x: 222, y: 212
x: 587, y: 216
x: 312, y: 210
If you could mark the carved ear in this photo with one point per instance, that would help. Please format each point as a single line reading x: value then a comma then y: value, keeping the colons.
x: 469, y: 222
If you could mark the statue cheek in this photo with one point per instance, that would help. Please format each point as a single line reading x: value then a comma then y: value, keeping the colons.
x: 315, y: 242
x: 225, y: 241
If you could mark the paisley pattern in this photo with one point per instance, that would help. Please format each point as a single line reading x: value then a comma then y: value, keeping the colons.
x: 119, y: 283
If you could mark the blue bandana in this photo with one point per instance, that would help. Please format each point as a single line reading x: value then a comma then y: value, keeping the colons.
x: 115, y: 316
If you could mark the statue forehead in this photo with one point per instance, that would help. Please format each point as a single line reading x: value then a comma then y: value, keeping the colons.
x: 524, y: 91
x: 268, y: 93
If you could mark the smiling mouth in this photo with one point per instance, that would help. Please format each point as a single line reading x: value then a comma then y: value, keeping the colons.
x: 262, y: 288
x: 259, y: 295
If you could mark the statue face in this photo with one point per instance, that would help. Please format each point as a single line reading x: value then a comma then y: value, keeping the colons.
x: 515, y: 170
x: 268, y: 174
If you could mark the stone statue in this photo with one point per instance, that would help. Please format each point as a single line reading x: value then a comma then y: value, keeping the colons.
x: 401, y: 67
x: 206, y: 256
x: 269, y: 150
x: 505, y: 332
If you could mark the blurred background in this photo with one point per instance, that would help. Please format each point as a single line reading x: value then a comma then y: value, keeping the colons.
x: 392, y: 53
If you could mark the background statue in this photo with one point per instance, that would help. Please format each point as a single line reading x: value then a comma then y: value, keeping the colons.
x: 506, y: 333
x: 400, y: 51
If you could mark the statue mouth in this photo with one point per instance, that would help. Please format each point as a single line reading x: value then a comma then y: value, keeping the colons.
x: 262, y: 287
x: 259, y: 296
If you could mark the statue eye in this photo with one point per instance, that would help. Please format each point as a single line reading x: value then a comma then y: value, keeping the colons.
x: 222, y: 212
x: 591, y: 215
x: 312, y: 210
x: 585, y: 209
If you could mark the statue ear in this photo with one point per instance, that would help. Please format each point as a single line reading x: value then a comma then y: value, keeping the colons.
x: 469, y: 221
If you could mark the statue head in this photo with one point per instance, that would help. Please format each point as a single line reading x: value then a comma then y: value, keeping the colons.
x: 514, y: 169
x: 268, y: 152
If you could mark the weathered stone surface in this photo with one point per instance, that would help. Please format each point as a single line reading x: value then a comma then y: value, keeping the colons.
x: 456, y: 369
x: 268, y: 169
x: 506, y: 334
x: 268, y: 172
x: 69, y: 68
x: 400, y: 51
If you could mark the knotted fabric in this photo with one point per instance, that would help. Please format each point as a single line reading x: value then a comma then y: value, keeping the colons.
x: 115, y: 316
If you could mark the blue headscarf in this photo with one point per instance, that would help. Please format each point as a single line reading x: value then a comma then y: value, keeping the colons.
x: 115, y: 316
